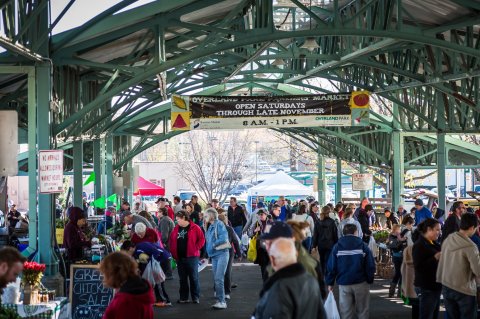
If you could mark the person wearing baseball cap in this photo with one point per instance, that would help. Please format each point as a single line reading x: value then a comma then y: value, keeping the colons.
x: 163, y: 203
x: 253, y: 218
x: 421, y: 212
x: 129, y: 218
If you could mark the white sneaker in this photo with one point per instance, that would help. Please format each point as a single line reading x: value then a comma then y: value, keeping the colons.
x: 220, y: 305
x: 227, y: 297
x: 202, y: 264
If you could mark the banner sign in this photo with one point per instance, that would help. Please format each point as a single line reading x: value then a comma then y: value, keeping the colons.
x: 236, y: 112
x: 50, y: 171
x: 362, y: 182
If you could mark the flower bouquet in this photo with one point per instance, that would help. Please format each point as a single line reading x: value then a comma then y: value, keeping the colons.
x: 31, y: 276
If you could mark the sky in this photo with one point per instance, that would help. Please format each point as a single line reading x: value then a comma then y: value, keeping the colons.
x: 82, y: 11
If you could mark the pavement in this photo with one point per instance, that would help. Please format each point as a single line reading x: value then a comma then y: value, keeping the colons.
x: 245, y: 296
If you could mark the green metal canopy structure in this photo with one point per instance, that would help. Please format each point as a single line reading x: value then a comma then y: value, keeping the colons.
x: 90, y: 89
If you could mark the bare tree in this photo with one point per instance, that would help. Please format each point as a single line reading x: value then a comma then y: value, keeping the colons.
x: 474, y: 139
x: 215, y: 163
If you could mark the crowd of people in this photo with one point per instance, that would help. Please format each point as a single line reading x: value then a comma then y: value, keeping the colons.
x: 303, y: 252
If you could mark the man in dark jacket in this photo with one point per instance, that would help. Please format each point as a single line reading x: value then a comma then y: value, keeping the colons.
x: 352, y: 266
x: 291, y: 293
x: 236, y: 217
x: 452, y: 224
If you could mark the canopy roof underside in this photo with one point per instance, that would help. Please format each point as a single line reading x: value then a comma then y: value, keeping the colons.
x: 114, y: 74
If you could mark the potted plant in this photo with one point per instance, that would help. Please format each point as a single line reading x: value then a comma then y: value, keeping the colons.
x: 31, y: 276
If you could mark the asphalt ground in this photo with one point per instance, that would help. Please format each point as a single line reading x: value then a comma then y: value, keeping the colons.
x: 245, y: 297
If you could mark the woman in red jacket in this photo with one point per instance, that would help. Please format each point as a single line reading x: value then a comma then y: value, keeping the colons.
x: 185, y: 241
x: 134, y: 296
x: 144, y: 234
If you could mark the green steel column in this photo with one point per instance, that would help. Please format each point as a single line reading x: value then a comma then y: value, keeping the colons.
x: 78, y: 173
x: 338, y: 184
x: 103, y: 175
x: 109, y: 165
x: 441, y: 153
x: 398, y: 168
x: 321, y: 178
x: 362, y: 170
x: 441, y: 163
x: 97, y: 168
x: 45, y: 209
x: 130, y: 184
x: 32, y: 162
x: 126, y: 181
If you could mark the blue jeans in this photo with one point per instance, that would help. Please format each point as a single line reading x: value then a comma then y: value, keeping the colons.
x: 459, y: 305
x: 188, y: 272
x: 429, y: 302
x: 238, y: 230
x: 219, y: 267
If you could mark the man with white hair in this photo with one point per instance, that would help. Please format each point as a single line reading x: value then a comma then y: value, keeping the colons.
x: 291, y: 293
x: 144, y: 234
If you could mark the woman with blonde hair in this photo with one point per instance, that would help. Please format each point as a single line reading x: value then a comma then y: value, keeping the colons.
x: 303, y: 216
x: 218, y: 246
x: 134, y: 296
x: 311, y: 265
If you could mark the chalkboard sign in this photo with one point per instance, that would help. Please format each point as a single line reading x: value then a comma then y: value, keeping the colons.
x: 88, y: 297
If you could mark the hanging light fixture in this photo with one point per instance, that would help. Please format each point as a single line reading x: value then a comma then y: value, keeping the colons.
x: 260, y: 75
x: 278, y: 62
x: 310, y: 43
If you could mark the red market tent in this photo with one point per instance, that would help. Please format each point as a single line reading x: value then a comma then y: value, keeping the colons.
x: 146, y: 188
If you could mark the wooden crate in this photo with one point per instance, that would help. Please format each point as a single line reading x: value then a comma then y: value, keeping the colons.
x: 385, y: 270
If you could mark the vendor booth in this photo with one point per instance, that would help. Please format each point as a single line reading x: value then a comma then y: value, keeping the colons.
x: 146, y: 188
x: 279, y: 184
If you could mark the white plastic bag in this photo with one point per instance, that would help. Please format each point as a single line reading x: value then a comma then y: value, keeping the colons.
x: 372, y: 244
x: 148, y: 274
x: 331, y: 307
x: 153, y: 273
x: 158, y: 274
x: 245, y: 239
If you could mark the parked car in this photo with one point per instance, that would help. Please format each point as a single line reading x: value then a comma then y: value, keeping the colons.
x: 185, y: 194
x: 241, y: 188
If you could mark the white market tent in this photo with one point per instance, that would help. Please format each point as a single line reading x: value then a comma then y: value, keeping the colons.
x: 280, y: 184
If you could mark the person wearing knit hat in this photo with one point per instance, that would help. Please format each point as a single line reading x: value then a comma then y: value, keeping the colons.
x: 421, y: 212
